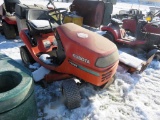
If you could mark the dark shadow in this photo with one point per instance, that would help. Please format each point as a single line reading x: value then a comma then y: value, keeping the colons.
x: 5, y: 59
x: 5, y: 44
x: 9, y: 80
x: 140, y: 112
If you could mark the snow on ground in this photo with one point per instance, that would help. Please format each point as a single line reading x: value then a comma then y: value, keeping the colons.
x: 131, y: 97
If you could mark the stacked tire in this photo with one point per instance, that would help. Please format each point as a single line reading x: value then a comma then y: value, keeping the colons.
x: 17, y: 100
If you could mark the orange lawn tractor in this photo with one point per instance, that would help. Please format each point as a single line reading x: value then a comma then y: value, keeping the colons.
x: 73, y: 51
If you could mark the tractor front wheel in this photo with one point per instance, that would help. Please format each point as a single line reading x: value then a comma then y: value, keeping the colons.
x: 71, y: 94
x: 27, y: 59
x: 109, y: 36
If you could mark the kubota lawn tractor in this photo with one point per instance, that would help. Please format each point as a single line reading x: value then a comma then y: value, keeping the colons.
x: 73, y: 51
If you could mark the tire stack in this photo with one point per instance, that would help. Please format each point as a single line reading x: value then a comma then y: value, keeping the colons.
x: 17, y: 101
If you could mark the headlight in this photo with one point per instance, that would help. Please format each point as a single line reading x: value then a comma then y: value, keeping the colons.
x: 108, y: 60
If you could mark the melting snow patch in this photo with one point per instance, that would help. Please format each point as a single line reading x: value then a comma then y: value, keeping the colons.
x: 101, y: 32
x: 40, y: 73
x: 34, y: 66
x: 130, y: 60
x: 43, y: 58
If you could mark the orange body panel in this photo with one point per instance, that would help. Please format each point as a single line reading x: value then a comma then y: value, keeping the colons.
x: 39, y: 48
x: 89, y: 49
x: 98, y: 78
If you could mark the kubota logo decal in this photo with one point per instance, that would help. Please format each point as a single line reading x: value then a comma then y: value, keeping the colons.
x: 81, y: 58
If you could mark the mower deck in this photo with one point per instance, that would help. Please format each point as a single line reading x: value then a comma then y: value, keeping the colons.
x: 133, y: 64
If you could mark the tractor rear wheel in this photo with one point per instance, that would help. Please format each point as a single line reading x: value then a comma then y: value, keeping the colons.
x: 154, y: 51
x: 9, y: 31
x: 109, y: 36
x: 27, y: 59
x: 1, y: 26
x: 71, y: 94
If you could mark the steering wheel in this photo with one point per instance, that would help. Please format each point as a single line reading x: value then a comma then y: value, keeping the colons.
x: 52, y: 3
x: 56, y: 15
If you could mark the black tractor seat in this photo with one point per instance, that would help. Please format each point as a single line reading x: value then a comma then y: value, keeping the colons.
x: 41, y: 26
x: 38, y: 22
x: 9, y: 5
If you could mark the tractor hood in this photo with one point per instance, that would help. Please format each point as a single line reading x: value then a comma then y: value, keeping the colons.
x: 86, y: 39
x: 86, y: 47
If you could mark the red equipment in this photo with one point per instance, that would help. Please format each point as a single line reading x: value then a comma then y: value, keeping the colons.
x: 134, y: 32
x: 8, y: 18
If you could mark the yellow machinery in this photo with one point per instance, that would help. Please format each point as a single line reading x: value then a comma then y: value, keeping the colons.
x: 73, y: 18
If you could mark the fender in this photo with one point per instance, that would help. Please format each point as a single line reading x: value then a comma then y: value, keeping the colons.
x: 35, y: 50
x: 130, y: 24
x: 152, y: 28
x: 112, y: 30
x: 9, y: 21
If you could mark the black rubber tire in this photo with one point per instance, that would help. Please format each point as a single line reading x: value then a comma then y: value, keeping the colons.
x: 1, y: 29
x: 71, y: 94
x: 9, y: 31
x: 26, y: 57
x: 154, y: 51
x: 25, y: 111
x: 138, y: 33
x: 17, y: 100
x: 109, y: 36
x: 1, y: 24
